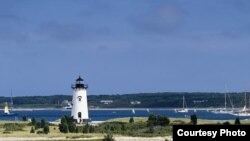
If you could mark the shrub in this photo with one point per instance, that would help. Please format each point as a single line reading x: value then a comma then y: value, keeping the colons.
x: 38, y: 125
x: 64, y: 128
x: 46, y: 129
x: 33, y: 121
x: 77, y: 129
x: 39, y: 132
x: 131, y: 120
x: 13, y: 127
x: 108, y: 137
x: 91, y: 129
x: 226, y: 123
x: 43, y: 123
x: 32, y: 130
x: 25, y: 118
x: 237, y: 121
x: 193, y: 119
x: 72, y: 128
x: 157, y: 120
x: 85, y: 128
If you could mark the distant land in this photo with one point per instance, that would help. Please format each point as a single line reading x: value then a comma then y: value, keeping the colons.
x: 140, y: 100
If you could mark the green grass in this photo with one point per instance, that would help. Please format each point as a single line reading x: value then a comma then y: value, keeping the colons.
x: 138, y: 128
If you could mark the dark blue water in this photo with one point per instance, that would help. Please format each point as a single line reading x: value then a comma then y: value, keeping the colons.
x: 100, y: 115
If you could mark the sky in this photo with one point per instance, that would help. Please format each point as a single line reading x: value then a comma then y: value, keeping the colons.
x: 121, y: 47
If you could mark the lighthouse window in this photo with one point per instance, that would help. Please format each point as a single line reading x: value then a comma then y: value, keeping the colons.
x: 79, y: 98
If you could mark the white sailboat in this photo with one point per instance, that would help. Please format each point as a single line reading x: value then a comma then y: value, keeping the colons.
x: 6, y: 111
x: 184, y: 107
x: 244, y: 111
x: 133, y: 111
x: 225, y: 110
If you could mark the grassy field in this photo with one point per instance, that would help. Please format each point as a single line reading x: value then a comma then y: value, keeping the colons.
x: 54, y: 132
x: 138, y: 121
x: 178, y: 120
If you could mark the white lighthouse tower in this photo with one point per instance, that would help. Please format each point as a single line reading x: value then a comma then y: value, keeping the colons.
x: 79, y: 110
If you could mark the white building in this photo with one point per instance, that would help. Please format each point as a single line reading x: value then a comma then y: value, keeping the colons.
x: 79, y: 102
x: 107, y: 102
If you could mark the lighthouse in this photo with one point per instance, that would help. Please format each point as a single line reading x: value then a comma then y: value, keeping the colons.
x: 79, y: 110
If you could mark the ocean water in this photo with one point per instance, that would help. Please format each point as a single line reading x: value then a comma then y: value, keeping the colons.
x: 102, y: 115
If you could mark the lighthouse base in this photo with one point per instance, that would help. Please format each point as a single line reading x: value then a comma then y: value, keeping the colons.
x: 82, y: 121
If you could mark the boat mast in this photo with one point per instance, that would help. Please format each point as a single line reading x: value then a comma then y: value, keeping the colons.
x: 245, y: 95
x: 11, y: 100
x: 183, y: 102
x: 225, y: 96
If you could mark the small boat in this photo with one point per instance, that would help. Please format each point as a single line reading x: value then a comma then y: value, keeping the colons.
x: 133, y: 111
x: 7, y: 112
x: 184, y: 108
x: 68, y: 106
x: 244, y: 112
x: 148, y: 110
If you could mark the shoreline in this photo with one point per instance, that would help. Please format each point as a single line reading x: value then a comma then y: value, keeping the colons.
x: 51, y: 108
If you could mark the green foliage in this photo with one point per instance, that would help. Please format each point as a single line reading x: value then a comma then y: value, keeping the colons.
x: 43, y: 123
x: 226, y: 123
x: 151, y: 128
x: 131, y: 120
x: 46, y: 129
x: 237, y: 121
x: 25, y: 118
x: 33, y: 121
x: 158, y: 120
x: 32, y: 130
x: 72, y: 128
x: 193, y: 119
x: 67, y: 125
x: 85, y: 128
x: 39, y: 132
x: 77, y: 129
x: 38, y: 125
x: 13, y: 126
x: 91, y: 129
x: 63, y: 127
x: 108, y: 137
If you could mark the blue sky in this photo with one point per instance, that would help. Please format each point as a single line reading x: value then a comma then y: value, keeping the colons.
x: 128, y: 46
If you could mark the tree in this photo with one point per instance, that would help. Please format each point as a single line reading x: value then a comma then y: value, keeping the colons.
x: 38, y: 125
x: 77, y: 129
x: 32, y: 130
x: 25, y: 118
x: 43, y: 123
x: 63, y: 127
x: 131, y: 120
x: 72, y: 128
x: 33, y: 121
x: 151, y: 128
x: 237, y: 121
x: 46, y: 129
x: 85, y: 128
x: 91, y: 129
x: 193, y: 119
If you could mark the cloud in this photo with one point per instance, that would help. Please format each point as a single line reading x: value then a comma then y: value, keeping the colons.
x: 161, y: 19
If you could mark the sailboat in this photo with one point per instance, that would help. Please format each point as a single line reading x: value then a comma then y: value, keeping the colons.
x: 184, y: 108
x: 6, y: 111
x: 244, y: 111
x: 225, y: 110
x: 133, y: 111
